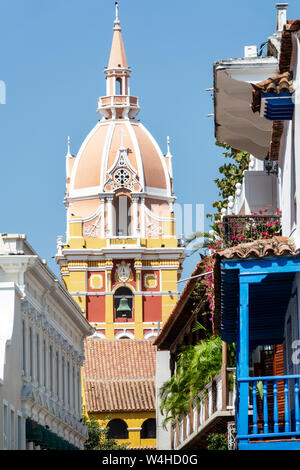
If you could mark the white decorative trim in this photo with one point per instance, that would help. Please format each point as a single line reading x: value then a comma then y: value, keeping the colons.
x: 91, y: 281
x: 124, y: 334
x: 153, y: 276
x: 98, y: 334
x: 105, y: 154
x: 167, y: 177
x: 156, y: 217
x: 151, y: 334
x: 137, y: 154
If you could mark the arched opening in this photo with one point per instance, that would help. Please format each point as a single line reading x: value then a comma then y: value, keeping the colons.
x: 122, y: 216
x: 123, y: 300
x: 148, y: 430
x: 117, y: 429
x: 118, y: 86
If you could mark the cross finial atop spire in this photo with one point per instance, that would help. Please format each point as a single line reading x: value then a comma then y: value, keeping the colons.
x: 117, y: 13
x: 117, y: 21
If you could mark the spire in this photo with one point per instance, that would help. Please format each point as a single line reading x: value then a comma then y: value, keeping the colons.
x: 69, y: 152
x: 169, y: 156
x: 117, y: 57
x: 118, y: 102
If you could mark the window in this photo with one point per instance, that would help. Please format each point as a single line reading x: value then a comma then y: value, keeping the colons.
x: 123, y: 303
x: 148, y: 430
x: 117, y: 429
x: 118, y: 86
x: 122, y: 214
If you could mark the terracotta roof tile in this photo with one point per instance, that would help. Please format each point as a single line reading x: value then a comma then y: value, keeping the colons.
x: 119, y: 374
x: 276, y: 246
x: 280, y: 83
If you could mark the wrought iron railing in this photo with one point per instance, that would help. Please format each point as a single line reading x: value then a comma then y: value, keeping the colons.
x: 242, y: 229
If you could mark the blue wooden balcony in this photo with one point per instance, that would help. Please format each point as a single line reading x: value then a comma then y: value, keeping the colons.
x: 255, y: 296
x: 277, y: 424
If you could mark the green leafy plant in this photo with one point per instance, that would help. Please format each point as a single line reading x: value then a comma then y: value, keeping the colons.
x: 195, y: 367
x: 217, y: 441
x: 98, y: 436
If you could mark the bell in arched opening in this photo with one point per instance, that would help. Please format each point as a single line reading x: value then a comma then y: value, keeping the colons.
x: 123, y: 309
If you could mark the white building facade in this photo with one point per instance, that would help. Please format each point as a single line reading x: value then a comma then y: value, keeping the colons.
x: 41, y: 354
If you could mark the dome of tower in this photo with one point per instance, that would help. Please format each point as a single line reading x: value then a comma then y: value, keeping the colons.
x: 98, y: 156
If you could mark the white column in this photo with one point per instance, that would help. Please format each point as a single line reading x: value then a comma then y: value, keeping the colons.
x: 54, y: 384
x: 71, y: 383
x: 47, y: 363
x: 102, y: 221
x: 66, y: 381
x: 109, y: 215
x: 76, y: 404
x: 41, y: 359
x: 27, y: 347
x: 143, y: 218
x: 79, y: 390
x: 135, y: 220
x: 60, y: 375
x: 34, y: 353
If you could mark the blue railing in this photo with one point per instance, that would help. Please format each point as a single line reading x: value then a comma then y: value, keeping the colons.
x: 275, y: 407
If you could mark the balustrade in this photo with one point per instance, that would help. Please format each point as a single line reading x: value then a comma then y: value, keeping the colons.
x: 275, y: 406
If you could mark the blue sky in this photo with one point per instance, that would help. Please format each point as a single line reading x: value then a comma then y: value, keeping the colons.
x: 52, y: 57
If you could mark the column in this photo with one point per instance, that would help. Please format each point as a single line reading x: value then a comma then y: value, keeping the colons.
x: 143, y: 218
x: 109, y: 299
x: 66, y: 380
x: 27, y: 347
x: 41, y: 359
x: 123, y: 86
x: 138, y: 302
x: 60, y: 375
x: 47, y: 363
x: 243, y: 357
x: 77, y: 411
x: 102, y: 221
x: 71, y: 404
x: 54, y: 374
x: 34, y: 353
x: 109, y: 200
x: 135, y: 221
x: 224, y: 377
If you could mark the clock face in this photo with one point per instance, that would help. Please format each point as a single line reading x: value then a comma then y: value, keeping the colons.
x: 122, y: 176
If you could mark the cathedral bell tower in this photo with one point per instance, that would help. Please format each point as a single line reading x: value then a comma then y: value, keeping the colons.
x: 121, y: 260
